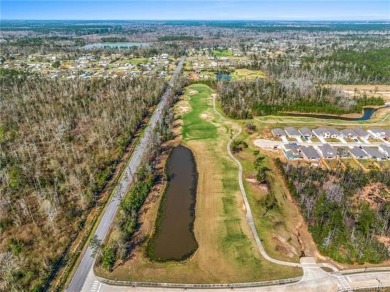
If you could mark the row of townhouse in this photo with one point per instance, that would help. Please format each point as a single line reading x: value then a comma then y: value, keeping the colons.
x: 293, y: 151
x: 355, y: 133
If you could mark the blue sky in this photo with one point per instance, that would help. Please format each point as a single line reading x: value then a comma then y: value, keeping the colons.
x: 201, y: 9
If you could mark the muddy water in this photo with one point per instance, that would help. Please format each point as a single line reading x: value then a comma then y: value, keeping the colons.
x: 175, y: 239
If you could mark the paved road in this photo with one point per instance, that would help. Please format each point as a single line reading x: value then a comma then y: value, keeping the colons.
x: 85, y: 269
x: 314, y: 279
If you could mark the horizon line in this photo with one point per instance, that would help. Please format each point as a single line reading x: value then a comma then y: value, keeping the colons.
x: 227, y: 19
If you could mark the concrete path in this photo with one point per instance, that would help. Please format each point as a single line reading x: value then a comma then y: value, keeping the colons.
x: 249, y: 217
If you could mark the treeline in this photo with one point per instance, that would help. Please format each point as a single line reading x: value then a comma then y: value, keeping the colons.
x: 60, y: 141
x: 372, y: 66
x: 113, y: 39
x: 179, y: 38
x: 120, y: 245
x: 347, y: 211
x: 243, y: 99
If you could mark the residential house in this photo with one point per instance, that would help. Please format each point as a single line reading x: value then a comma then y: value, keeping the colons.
x: 361, y: 133
x: 292, y: 132
x: 377, y: 132
x: 385, y: 149
x: 327, y: 151
x: 309, y: 153
x: 348, y: 133
x: 321, y: 132
x: 374, y: 153
x: 334, y: 133
x: 358, y: 153
x: 305, y: 132
x: 291, y: 151
x: 278, y: 132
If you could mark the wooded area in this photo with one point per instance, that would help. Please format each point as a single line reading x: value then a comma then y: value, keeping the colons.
x: 60, y: 141
x: 244, y: 99
x: 348, y: 211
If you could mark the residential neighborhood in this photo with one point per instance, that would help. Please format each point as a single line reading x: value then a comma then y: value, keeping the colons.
x: 330, y: 143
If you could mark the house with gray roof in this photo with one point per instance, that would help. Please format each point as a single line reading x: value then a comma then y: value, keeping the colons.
x: 348, y: 133
x: 321, y: 132
x: 327, y: 151
x: 385, y: 149
x: 291, y: 151
x: 334, y: 133
x: 374, y: 153
x: 278, y: 132
x: 361, y: 133
x: 309, y: 153
x: 292, y: 132
x: 358, y: 153
x: 305, y: 132
x: 377, y: 132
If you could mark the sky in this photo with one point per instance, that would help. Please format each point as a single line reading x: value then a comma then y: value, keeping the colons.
x: 196, y: 10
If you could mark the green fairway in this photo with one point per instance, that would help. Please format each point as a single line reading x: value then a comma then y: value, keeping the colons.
x: 194, y: 126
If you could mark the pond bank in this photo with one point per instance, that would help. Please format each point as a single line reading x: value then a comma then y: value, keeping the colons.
x: 174, y: 238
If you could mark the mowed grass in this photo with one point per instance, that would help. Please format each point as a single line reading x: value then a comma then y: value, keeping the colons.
x: 222, y: 53
x: 227, y: 252
x: 247, y: 74
x: 194, y: 126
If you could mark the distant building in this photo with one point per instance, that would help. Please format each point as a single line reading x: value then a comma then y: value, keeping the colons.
x: 309, y: 153
x: 305, y: 132
x: 292, y: 132
x: 374, y: 153
x: 348, y: 133
x: 385, y: 149
x: 327, y: 151
x: 291, y: 151
x: 361, y: 133
x: 358, y: 153
x: 321, y: 132
x: 334, y: 133
x: 377, y: 132
x: 278, y: 132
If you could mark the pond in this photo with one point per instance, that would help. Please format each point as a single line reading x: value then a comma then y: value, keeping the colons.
x: 114, y: 45
x: 174, y: 238
x: 223, y: 76
x: 368, y: 112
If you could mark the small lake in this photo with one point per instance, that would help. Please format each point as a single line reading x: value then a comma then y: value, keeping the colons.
x: 114, y: 45
x: 223, y: 76
x: 174, y: 238
x: 368, y: 112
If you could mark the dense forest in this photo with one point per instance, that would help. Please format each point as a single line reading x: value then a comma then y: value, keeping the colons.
x: 344, y: 66
x: 60, y: 141
x: 348, y: 211
x: 243, y: 99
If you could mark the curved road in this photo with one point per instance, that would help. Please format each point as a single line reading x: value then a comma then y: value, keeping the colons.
x: 85, y: 268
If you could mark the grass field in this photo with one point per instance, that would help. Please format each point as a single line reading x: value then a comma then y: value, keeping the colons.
x: 222, y: 53
x: 247, y: 74
x: 227, y: 252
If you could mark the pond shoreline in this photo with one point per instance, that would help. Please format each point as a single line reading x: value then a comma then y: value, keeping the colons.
x: 367, y: 113
x: 162, y: 212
